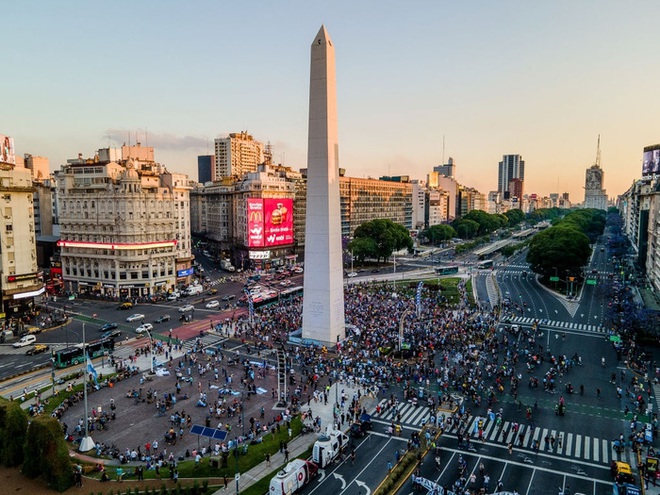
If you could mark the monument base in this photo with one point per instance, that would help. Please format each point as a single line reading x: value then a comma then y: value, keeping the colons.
x: 296, y: 338
x: 86, y: 444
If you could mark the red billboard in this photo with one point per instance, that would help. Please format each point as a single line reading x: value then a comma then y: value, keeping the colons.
x: 278, y: 221
x: 269, y: 222
x: 255, y: 222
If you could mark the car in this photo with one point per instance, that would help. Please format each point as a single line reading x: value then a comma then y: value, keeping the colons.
x: 213, y: 291
x: 125, y: 305
x: 286, y: 283
x: 298, y: 269
x: 145, y: 327
x: 111, y: 334
x: 352, y: 274
x: 162, y: 319
x: 207, y: 280
x: 186, y: 308
x: 602, y: 250
x: 594, y: 270
x: 173, y: 296
x: 228, y: 297
x: 25, y: 341
x: 213, y: 304
x: 375, y: 270
x: 135, y: 317
x: 37, y: 349
x: 108, y: 326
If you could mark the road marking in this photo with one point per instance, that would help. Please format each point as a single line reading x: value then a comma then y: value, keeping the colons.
x: 596, y: 450
x: 587, y: 447
x: 569, y: 442
x: 578, y: 446
x: 606, y: 450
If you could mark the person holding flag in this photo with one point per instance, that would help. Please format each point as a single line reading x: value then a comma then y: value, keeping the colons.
x: 91, y: 370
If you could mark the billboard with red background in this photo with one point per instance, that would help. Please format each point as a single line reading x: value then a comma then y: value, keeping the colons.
x: 278, y: 221
x: 255, y: 222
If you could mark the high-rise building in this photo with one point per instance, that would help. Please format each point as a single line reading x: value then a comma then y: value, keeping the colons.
x: 125, y: 224
x: 511, y: 167
x: 595, y: 195
x: 237, y: 154
x: 323, y: 307
x: 39, y: 166
x: 205, y: 168
x: 447, y: 169
x: 20, y: 280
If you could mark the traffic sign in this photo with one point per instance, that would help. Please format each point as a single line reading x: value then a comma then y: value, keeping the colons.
x: 237, y: 476
x: 554, y: 279
x: 591, y: 281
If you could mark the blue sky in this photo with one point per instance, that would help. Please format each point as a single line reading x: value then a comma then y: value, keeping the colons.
x: 541, y: 79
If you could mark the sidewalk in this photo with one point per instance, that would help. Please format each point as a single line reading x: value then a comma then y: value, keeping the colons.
x: 300, y: 444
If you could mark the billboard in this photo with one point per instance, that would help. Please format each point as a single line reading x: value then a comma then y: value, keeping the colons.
x: 278, y: 221
x: 255, y: 222
x: 269, y: 222
x: 7, y: 153
x: 651, y: 160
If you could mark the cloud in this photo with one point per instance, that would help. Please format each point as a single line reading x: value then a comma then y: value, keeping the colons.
x: 160, y: 141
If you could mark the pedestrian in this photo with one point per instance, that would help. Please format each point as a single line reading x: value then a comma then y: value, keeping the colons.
x: 510, y: 447
x: 268, y: 459
x: 286, y: 455
x: 224, y: 478
x: 281, y: 446
x: 389, y: 466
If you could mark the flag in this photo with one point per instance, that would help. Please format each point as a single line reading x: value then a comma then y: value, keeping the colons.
x: 91, y: 370
x: 250, y: 303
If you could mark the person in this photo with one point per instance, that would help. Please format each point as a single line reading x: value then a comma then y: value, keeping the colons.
x: 602, y: 361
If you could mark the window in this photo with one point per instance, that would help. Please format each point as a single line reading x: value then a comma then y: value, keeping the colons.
x: 9, y: 227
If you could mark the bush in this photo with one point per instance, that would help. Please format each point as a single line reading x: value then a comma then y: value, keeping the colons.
x: 13, y: 429
x: 46, y: 453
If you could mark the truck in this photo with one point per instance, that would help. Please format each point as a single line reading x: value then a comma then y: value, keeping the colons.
x: 292, y: 477
x: 226, y: 265
x: 329, y: 447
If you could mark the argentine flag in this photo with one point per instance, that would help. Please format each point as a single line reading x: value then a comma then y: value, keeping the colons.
x: 91, y: 370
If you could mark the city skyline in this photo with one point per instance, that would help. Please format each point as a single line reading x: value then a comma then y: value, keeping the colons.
x: 409, y: 77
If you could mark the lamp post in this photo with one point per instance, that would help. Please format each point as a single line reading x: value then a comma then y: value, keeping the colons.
x: 151, y: 351
x: 394, y: 272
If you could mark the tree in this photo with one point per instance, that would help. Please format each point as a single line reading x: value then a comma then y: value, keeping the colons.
x: 514, y: 216
x: 465, y: 228
x: 13, y: 429
x: 362, y: 248
x: 563, y: 248
x: 46, y: 453
x: 437, y: 234
x: 387, y: 236
x: 487, y: 222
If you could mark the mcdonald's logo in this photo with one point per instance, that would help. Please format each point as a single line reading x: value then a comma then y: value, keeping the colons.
x: 256, y: 216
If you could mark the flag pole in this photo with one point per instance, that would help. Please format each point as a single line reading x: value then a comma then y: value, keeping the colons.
x: 86, y: 444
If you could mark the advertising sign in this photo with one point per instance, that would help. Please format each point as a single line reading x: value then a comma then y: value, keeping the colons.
x: 185, y: 273
x: 278, y: 221
x: 255, y: 222
x: 651, y: 160
x: 7, y: 153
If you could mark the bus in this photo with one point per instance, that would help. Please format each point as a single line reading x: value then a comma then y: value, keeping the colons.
x: 74, y: 355
x: 485, y: 264
x: 446, y: 270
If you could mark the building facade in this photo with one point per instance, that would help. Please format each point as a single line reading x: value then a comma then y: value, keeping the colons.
x: 236, y: 155
x: 595, y: 195
x: 206, y: 168
x: 125, y: 225
x: 511, y: 167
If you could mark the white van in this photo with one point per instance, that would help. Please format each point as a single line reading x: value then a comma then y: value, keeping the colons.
x: 193, y: 290
x: 25, y: 340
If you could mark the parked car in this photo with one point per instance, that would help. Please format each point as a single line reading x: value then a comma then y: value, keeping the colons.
x: 213, y: 291
x: 375, y: 270
x: 145, y: 327
x: 173, y: 296
x: 213, y: 304
x: 25, y: 341
x: 186, y: 308
x: 135, y: 317
x: 228, y: 297
x: 37, y: 349
x: 162, y: 319
x: 126, y: 305
x: 108, y: 326
x: 352, y: 274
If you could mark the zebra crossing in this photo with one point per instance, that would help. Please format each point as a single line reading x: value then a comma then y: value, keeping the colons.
x: 207, y: 340
x: 568, y: 325
x: 572, y: 445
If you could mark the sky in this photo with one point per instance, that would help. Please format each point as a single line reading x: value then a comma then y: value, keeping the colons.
x: 489, y: 78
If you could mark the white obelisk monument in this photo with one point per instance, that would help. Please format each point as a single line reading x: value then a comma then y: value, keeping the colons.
x: 323, y: 304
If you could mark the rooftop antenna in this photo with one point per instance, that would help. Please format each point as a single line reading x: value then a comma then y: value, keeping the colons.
x: 598, y: 152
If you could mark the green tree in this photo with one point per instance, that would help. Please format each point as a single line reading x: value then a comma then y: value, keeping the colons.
x: 363, y: 247
x: 387, y: 236
x: 13, y: 429
x: 514, y: 216
x: 465, y: 228
x: 46, y: 453
x: 436, y: 234
x: 562, y: 248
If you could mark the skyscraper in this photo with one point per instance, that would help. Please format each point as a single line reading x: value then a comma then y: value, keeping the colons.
x: 511, y: 167
x: 323, y: 305
x: 205, y: 168
x: 594, y: 194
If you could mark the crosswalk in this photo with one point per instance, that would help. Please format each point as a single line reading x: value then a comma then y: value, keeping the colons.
x: 568, y: 325
x: 207, y: 340
x: 572, y: 445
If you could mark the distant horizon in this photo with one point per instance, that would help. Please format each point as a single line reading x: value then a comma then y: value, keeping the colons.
x: 473, y: 81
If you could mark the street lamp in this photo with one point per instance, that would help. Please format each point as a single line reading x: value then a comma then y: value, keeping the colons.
x: 394, y: 272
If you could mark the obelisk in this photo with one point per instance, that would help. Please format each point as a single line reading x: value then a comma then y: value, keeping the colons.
x: 323, y: 303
